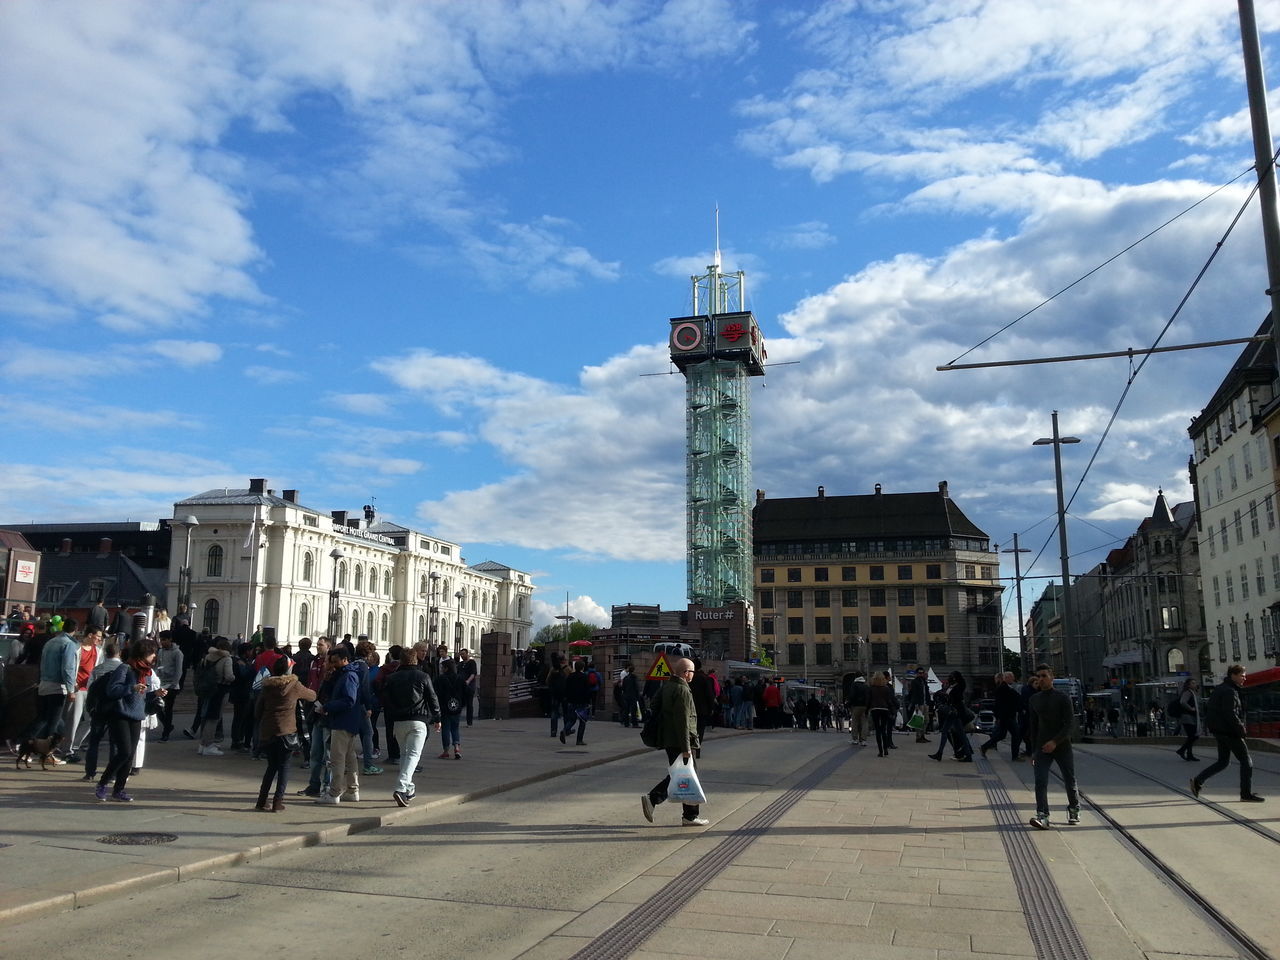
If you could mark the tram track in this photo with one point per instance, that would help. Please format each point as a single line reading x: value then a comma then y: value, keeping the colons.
x: 1227, y: 928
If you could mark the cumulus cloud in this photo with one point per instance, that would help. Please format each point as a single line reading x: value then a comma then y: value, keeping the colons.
x: 545, y: 609
x: 187, y: 353
x: 366, y: 404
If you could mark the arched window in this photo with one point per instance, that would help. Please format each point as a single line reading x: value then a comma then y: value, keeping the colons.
x: 214, y: 566
x: 422, y: 627
x: 386, y: 626
x: 359, y: 584
x: 386, y: 583
x: 355, y: 622
x: 304, y: 618
x: 308, y: 566
x: 520, y: 608
x: 211, y: 615
x: 462, y: 598
x: 369, y: 626
x: 473, y: 635
x: 422, y: 588
x: 342, y: 575
x: 484, y: 603
x: 1176, y: 661
x: 473, y: 600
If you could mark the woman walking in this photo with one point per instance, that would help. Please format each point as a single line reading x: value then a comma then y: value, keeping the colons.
x: 126, y: 705
x: 1189, y: 717
x: 954, y: 720
x: 451, y: 692
x: 881, y: 705
x: 277, y: 716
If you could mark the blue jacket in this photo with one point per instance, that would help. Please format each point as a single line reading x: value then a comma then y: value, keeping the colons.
x: 59, y: 661
x: 122, y: 692
x: 346, y: 706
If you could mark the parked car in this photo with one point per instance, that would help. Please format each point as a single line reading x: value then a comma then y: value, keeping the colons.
x: 986, y: 719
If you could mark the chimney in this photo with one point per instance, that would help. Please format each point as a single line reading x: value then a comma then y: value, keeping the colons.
x: 369, y: 513
x: 291, y: 496
x: 759, y: 495
x: 942, y: 489
x: 822, y: 492
x: 877, y: 489
x: 339, y: 517
x: 104, y: 547
x: 257, y: 485
x: 271, y: 493
x: 66, y: 547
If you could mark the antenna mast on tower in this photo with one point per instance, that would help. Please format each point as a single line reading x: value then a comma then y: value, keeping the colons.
x: 717, y: 349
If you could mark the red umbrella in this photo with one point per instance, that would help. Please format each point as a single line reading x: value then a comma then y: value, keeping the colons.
x: 581, y: 643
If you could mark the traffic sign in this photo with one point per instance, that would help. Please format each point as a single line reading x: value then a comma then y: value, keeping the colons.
x: 661, y: 669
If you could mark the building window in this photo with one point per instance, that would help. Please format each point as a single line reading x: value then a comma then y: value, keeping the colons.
x: 1260, y: 578
x: 422, y: 627
x: 1253, y: 517
x: 1244, y: 582
x: 879, y: 653
x: 1239, y: 527
x: 1226, y: 544
x: 308, y: 566
x: 359, y: 579
x: 386, y: 584
x: 933, y: 571
x: 907, y: 652
x: 766, y: 574
x: 938, y: 653
x: 795, y: 625
x: 304, y: 619
x: 795, y: 599
x: 822, y: 625
x: 795, y: 654
x: 850, y: 651
x: 97, y: 591
x: 820, y: 574
x: 822, y: 654
x: 906, y: 596
x: 1231, y: 470
x: 1231, y: 588
x: 210, y: 621
x: 1235, y: 640
x: 793, y: 574
x: 386, y: 628
x: 880, y: 625
x: 342, y: 575
x: 1222, y: 643
x: 1275, y: 571
x: 904, y: 571
x: 1269, y: 505
x: 1217, y: 589
x: 848, y: 574
x: 766, y: 599
x: 849, y: 598
x: 822, y: 598
x: 1248, y: 462
x: 877, y: 573
x: 906, y: 624
x: 876, y: 596
x: 937, y: 623
x: 933, y: 596
x: 766, y: 626
x: 213, y: 567
x: 368, y: 625
x: 355, y: 623
x: 849, y: 625
x: 970, y: 571
x: 310, y: 520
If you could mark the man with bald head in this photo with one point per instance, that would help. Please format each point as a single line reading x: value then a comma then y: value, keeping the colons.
x: 679, y: 728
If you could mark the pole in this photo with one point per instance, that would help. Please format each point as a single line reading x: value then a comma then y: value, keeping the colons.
x: 1068, y: 618
x: 1256, y: 84
x: 1022, y: 627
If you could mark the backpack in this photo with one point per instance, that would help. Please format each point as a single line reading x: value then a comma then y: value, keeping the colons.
x: 651, y: 731
x: 858, y: 694
x: 206, y: 679
x: 95, y: 698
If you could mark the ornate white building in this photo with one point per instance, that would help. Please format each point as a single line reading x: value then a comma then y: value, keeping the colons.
x: 244, y: 558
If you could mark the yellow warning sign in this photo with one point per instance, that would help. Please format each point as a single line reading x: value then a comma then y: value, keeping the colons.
x: 660, y: 670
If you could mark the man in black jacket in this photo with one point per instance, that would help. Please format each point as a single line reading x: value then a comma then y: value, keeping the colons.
x: 1008, y: 704
x: 1051, y: 723
x: 411, y: 704
x: 1225, y: 718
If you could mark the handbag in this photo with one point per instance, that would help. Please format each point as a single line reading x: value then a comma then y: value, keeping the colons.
x: 685, y: 785
x: 290, y: 740
x: 917, y: 720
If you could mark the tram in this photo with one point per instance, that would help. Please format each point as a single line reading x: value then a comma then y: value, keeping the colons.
x: 1261, y: 695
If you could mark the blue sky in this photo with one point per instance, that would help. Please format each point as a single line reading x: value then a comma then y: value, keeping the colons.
x: 423, y: 252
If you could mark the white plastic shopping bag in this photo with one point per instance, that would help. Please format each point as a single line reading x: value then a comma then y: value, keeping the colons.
x: 684, y: 784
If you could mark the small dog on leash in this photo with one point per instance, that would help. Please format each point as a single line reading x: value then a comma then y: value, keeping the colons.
x: 39, y: 748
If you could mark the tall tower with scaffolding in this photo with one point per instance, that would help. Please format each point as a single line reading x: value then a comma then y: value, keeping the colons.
x: 717, y: 349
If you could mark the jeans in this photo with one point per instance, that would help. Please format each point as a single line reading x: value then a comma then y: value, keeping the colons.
x: 882, y: 720
x: 97, y: 730
x: 571, y: 719
x: 1226, y: 747
x: 277, y: 769
x: 346, y: 764
x: 450, y: 737
x: 124, y: 734
x: 659, y: 792
x: 211, y: 719
x: 1192, y: 734
x: 629, y: 711
x: 166, y: 718
x: 1066, y: 762
x: 557, y: 711
x: 366, y: 739
x: 412, y: 737
x: 49, y: 714
x: 242, y: 725
x: 953, y: 727
x: 319, y: 750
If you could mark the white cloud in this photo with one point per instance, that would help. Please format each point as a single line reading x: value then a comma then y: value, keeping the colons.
x: 584, y: 608
x: 365, y: 404
x: 811, y: 235
x: 187, y: 353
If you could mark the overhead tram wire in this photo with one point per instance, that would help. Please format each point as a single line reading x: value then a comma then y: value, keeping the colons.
x: 1106, y: 262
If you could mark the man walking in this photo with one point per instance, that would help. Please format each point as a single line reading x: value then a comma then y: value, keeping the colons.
x: 1051, y: 723
x: 679, y: 728
x: 1225, y: 718
x: 1007, y: 704
x: 344, y: 711
x: 57, y: 688
x: 917, y: 695
x: 469, y: 671
x: 859, y: 697
x: 87, y: 658
x: 411, y: 706
x: 169, y: 669
x: 630, y: 697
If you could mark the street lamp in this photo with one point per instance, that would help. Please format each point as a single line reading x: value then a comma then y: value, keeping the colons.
x: 1024, y: 665
x: 457, y: 628
x: 184, y: 571
x: 433, y: 608
x: 335, y: 626
x: 1068, y: 617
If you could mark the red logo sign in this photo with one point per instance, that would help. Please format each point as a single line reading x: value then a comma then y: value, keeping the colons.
x: 733, y: 332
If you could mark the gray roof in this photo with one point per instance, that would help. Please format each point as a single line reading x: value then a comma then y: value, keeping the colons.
x: 224, y: 495
x: 878, y: 515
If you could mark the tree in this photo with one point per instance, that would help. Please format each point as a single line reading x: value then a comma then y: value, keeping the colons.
x: 1013, y: 662
x: 578, y: 630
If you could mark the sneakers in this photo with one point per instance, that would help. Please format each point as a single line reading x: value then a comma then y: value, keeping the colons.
x: 444, y: 756
x: 371, y: 771
x: 328, y: 798
x: 351, y: 796
x: 646, y: 807
x: 562, y: 736
x: 983, y: 750
x: 101, y: 793
x: 73, y: 757
x: 210, y: 751
x: 401, y: 799
x: 694, y: 821
x: 1073, y: 814
x: 121, y: 797
x: 1040, y: 822
x: 1195, y: 788
x: 457, y: 754
x: 1252, y: 798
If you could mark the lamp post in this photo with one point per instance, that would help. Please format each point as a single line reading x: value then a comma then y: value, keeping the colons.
x: 433, y: 609
x: 460, y: 596
x: 1068, y: 617
x: 335, y: 626
x: 184, y: 571
x: 1024, y: 664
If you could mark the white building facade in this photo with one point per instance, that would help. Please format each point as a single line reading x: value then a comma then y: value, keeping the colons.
x: 258, y: 559
x: 1235, y: 488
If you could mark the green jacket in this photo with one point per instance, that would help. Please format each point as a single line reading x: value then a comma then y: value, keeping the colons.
x: 679, y: 721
